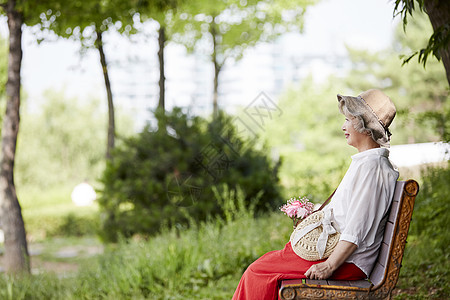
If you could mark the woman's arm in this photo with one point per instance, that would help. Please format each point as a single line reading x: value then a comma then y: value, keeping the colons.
x: 324, y: 269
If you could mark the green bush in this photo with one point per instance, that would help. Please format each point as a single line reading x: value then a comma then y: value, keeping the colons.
x: 70, y: 224
x: 73, y: 225
x: 166, y: 177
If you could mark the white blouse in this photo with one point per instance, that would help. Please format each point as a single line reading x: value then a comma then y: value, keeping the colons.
x: 361, y: 203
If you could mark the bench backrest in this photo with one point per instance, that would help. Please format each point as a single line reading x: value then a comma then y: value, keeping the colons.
x: 392, y: 248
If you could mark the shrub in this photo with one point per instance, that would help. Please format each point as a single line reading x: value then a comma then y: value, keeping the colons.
x: 73, y: 225
x: 70, y: 224
x: 164, y: 177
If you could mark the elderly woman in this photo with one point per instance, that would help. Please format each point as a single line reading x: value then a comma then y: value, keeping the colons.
x: 360, y: 205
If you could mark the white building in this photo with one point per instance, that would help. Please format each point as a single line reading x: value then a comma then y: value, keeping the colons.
x: 417, y: 154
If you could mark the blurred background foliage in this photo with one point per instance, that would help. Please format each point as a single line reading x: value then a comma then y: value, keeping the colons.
x: 165, y: 176
x: 72, y: 150
x: 61, y: 143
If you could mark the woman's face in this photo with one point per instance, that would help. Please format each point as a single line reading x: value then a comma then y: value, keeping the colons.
x: 354, y: 138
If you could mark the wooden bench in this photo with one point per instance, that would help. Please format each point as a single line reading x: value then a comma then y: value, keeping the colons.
x: 385, y: 273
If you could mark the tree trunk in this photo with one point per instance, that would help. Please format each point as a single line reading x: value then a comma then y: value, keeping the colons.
x: 16, y: 257
x: 111, y: 121
x: 217, y: 68
x: 439, y: 13
x: 162, y: 78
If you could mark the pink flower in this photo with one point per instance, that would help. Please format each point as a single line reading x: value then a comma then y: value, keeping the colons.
x: 291, y: 210
x: 297, y: 209
x: 302, y: 212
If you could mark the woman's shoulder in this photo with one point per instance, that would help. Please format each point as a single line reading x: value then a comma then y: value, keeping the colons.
x: 375, y: 164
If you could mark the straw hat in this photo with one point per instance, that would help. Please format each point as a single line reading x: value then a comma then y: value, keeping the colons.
x: 376, y: 110
x: 306, y: 247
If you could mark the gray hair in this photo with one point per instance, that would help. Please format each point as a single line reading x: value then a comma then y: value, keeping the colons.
x: 364, y: 122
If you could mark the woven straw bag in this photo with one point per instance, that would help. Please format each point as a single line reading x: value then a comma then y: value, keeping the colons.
x: 306, y: 246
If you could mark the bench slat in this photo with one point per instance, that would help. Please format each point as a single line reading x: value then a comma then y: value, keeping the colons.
x: 316, y: 282
x: 291, y: 281
x: 383, y: 256
x: 388, y: 233
x: 398, y: 190
x: 377, y: 274
x: 338, y: 282
x: 360, y: 284
x: 394, y: 211
x: 353, y: 283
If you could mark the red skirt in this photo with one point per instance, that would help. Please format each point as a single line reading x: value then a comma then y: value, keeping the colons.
x: 261, y: 279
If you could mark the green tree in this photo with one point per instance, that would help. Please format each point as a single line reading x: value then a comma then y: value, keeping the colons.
x: 438, y: 12
x: 230, y: 27
x: 87, y: 22
x: 18, y: 13
x: 157, y: 11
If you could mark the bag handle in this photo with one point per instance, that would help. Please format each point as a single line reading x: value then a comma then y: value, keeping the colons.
x: 327, y: 201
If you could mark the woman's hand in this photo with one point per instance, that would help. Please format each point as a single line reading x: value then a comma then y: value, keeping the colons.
x: 319, y: 271
x: 325, y: 269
